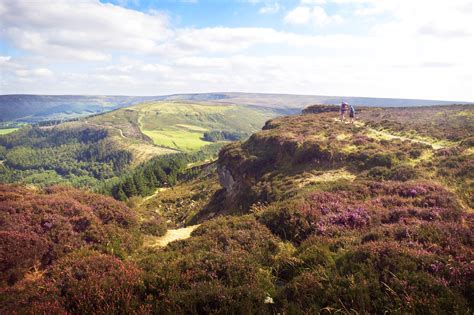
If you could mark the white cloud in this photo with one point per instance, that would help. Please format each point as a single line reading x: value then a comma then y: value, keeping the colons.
x: 4, y: 60
x: 315, y: 15
x: 88, y: 29
x: 270, y: 8
x: 299, y: 15
x: 421, y: 49
x: 38, y: 72
x: 313, y: 2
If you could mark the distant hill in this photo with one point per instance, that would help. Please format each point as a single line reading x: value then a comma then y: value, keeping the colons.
x: 35, y: 108
x: 103, y: 146
x: 300, y: 101
x: 185, y: 125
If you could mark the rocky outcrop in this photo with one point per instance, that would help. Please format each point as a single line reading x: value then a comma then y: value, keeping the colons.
x: 243, y: 167
x: 278, y: 161
x: 226, y: 179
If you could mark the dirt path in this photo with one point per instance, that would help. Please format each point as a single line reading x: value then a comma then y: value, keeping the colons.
x: 102, y: 126
x: 389, y: 136
x: 145, y: 199
x: 170, y: 236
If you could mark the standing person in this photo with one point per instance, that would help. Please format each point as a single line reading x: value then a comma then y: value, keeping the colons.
x: 343, y: 110
x: 352, y: 113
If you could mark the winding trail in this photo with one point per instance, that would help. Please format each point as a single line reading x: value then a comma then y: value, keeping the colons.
x: 389, y: 136
x: 103, y: 126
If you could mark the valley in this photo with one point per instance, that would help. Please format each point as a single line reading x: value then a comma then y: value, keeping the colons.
x: 305, y: 215
x: 138, y: 133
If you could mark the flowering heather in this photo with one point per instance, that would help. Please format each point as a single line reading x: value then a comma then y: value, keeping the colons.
x: 314, y: 216
x: 37, y: 228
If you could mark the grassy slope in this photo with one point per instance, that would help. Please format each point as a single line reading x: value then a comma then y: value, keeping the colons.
x: 148, y: 130
x: 436, y: 142
x: 180, y: 125
x: 7, y: 131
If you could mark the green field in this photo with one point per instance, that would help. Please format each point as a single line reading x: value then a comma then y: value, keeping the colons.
x: 8, y: 130
x: 181, y: 125
x: 178, y: 139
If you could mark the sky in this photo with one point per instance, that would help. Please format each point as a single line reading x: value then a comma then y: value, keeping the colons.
x: 375, y: 48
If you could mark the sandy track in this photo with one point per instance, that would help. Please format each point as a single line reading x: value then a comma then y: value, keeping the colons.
x: 170, y: 236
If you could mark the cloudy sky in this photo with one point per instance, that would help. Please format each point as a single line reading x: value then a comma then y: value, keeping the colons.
x: 381, y: 48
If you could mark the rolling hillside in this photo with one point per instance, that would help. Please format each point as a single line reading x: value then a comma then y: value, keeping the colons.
x: 36, y: 108
x: 100, y: 147
x: 301, y: 101
x: 309, y: 215
x: 181, y: 125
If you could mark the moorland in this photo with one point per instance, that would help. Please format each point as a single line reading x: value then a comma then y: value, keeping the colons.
x: 307, y: 215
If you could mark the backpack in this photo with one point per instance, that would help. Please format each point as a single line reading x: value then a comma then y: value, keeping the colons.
x: 352, y: 110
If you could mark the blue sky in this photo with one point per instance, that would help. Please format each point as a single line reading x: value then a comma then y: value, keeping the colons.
x: 240, y: 13
x: 380, y: 48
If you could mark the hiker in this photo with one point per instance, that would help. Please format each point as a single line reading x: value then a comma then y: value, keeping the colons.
x: 352, y: 113
x: 343, y: 110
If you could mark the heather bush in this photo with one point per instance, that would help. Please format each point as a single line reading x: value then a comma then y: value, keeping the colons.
x: 403, y: 172
x: 154, y: 226
x: 83, y: 282
x: 18, y: 253
x: 380, y: 159
x: 33, y: 294
x: 91, y: 282
x: 286, y: 222
x: 378, y: 173
x: 379, y: 277
x: 37, y: 228
x: 415, y: 153
x: 225, y: 267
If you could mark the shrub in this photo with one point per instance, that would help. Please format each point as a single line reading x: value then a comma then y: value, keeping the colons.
x: 40, y: 227
x: 224, y: 267
x: 380, y: 159
x: 415, y: 153
x: 287, y: 222
x: 155, y: 226
x: 403, y: 172
x: 83, y: 282
x: 18, y: 253
x: 91, y: 282
x: 378, y: 172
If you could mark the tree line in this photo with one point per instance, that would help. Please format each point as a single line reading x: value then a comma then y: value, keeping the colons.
x: 222, y: 135
x: 161, y: 171
x: 73, y: 152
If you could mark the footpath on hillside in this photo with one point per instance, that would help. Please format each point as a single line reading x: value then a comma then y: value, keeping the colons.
x: 170, y: 236
x: 384, y: 134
